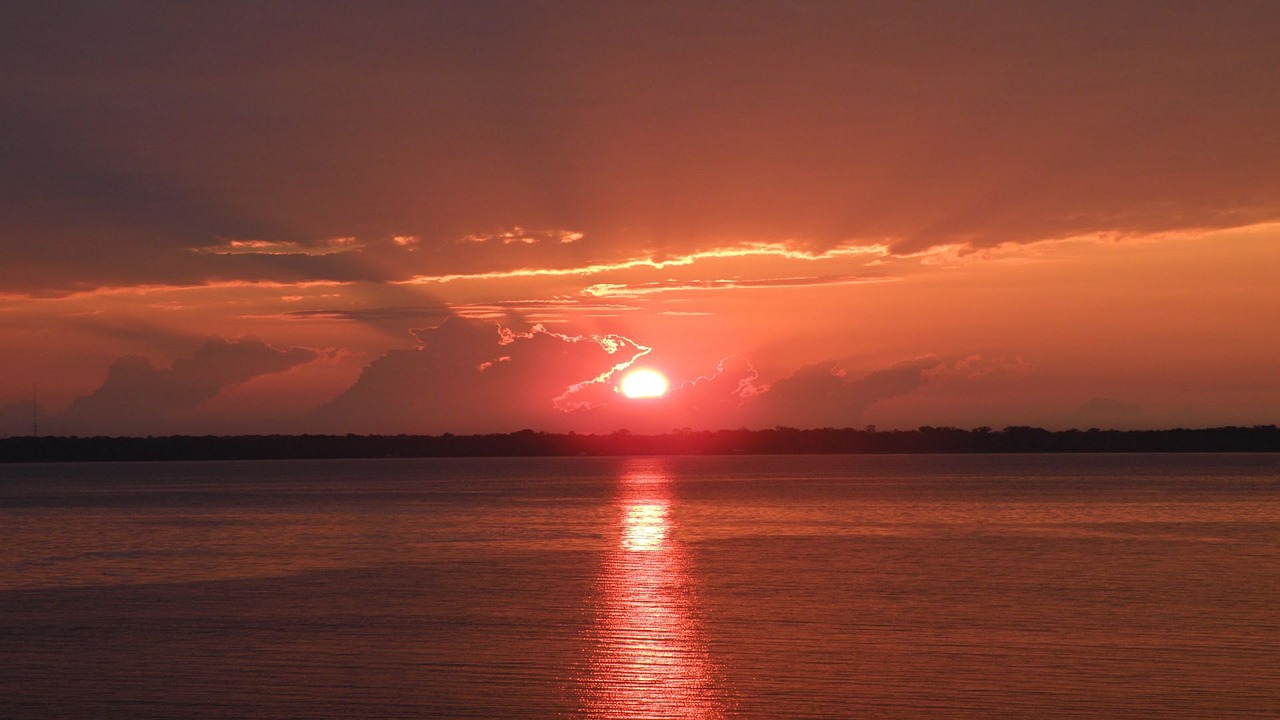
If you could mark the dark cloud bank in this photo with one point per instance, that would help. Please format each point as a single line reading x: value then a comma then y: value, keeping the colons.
x: 474, y: 376
x: 132, y: 131
x: 139, y: 398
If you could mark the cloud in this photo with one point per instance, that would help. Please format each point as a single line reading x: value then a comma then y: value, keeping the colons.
x: 392, y: 310
x: 778, y: 250
x: 16, y: 418
x: 817, y: 395
x: 474, y: 376
x: 520, y: 236
x: 373, y: 315
x: 977, y: 367
x: 1104, y: 412
x: 144, y: 290
x: 719, y: 399
x: 556, y: 310
x: 821, y: 395
x: 393, y: 321
x: 605, y: 290
x: 330, y: 246
x: 477, y: 376
x: 137, y: 397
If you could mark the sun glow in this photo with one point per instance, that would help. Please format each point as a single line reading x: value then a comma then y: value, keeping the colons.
x: 643, y: 384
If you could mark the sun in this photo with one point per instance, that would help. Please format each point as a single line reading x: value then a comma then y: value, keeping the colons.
x: 643, y: 383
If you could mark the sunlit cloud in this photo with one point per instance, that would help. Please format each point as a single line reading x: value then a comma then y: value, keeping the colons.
x: 471, y: 375
x: 421, y: 314
x: 759, y: 249
x: 959, y: 253
x: 653, y: 288
x: 520, y: 236
x: 734, y: 371
x: 554, y: 309
x: 577, y: 397
x: 157, y: 288
x: 490, y: 363
x: 330, y: 246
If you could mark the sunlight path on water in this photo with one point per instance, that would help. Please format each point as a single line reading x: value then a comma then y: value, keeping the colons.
x: 648, y: 656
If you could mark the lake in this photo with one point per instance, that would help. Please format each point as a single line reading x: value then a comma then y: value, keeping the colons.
x: 934, y: 586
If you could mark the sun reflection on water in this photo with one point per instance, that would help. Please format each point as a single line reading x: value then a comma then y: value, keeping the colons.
x: 648, y: 657
x: 644, y: 528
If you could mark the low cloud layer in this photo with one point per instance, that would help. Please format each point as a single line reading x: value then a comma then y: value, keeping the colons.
x: 478, y: 375
x: 475, y: 376
x: 821, y: 395
x: 138, y: 398
x: 18, y: 418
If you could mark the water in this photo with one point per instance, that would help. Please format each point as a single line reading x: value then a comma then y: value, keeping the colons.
x: 729, y: 587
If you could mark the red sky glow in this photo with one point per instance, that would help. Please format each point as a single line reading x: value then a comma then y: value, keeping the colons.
x: 478, y: 217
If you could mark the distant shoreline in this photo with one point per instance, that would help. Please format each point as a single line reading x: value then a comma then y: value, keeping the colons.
x: 528, y: 443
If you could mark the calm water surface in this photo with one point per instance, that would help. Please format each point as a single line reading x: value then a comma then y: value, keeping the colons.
x: 730, y: 587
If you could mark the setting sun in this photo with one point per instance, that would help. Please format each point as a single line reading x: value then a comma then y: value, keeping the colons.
x: 643, y: 384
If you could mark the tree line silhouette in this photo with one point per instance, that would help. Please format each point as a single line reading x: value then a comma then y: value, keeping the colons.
x: 778, y: 440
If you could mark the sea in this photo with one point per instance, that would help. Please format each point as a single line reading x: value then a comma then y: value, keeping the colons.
x: 833, y: 586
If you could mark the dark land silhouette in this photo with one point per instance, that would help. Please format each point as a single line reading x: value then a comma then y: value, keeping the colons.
x: 780, y: 440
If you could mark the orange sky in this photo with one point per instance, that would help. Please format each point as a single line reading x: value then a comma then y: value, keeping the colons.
x: 461, y: 217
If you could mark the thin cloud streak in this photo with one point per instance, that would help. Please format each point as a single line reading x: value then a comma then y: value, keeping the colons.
x: 520, y: 236
x: 654, y: 288
x: 332, y: 246
x: 364, y: 314
x: 936, y: 256
x: 773, y: 250
x: 156, y: 288
x: 530, y: 309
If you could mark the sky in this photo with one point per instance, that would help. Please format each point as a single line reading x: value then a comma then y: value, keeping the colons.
x: 468, y: 217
